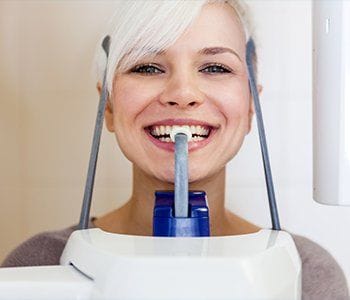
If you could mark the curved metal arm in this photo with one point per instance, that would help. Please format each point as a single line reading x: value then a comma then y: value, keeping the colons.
x: 89, y: 185
x: 250, y: 54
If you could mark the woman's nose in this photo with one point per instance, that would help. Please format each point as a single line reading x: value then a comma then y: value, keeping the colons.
x: 183, y: 92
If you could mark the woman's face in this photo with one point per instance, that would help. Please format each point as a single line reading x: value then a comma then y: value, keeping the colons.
x: 201, y: 80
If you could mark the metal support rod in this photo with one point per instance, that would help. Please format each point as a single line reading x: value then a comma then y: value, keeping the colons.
x: 89, y: 185
x: 181, y: 175
x: 250, y: 54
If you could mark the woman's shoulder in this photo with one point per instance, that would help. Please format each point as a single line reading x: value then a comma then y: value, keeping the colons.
x: 322, y: 277
x: 42, y: 249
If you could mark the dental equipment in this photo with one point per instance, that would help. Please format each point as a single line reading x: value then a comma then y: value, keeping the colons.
x: 181, y: 136
x: 185, y: 213
x: 331, y: 102
x: 100, y: 265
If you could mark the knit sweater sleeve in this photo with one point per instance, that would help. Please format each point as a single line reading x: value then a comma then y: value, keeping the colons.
x: 322, y: 277
x: 40, y: 250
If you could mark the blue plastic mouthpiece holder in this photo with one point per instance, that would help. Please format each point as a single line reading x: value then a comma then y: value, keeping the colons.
x: 166, y: 224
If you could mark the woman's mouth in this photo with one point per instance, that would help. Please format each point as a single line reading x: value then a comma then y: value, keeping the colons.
x: 162, y: 133
x: 160, y: 136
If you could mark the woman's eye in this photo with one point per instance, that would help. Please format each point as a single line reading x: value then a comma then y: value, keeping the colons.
x: 150, y: 69
x: 146, y: 69
x: 215, y: 69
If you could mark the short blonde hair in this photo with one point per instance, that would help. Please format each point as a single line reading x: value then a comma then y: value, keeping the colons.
x: 140, y: 28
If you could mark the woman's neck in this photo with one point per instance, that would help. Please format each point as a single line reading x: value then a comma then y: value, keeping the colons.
x: 136, y: 216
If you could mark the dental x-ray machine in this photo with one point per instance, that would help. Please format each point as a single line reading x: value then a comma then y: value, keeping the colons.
x: 181, y: 260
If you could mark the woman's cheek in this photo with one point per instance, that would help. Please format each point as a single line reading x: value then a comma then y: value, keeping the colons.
x: 125, y: 104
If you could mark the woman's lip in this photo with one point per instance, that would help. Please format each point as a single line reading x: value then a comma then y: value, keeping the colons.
x: 192, y: 146
x: 171, y: 122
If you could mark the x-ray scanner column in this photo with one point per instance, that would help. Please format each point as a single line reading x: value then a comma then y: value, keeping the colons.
x: 331, y: 101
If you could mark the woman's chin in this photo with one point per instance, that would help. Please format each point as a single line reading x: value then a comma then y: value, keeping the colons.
x: 168, y: 176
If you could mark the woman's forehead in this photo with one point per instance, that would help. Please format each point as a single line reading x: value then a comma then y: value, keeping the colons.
x: 217, y: 29
x: 205, y: 37
x: 216, y: 24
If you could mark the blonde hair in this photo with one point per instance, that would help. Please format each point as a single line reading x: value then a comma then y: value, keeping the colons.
x: 140, y: 28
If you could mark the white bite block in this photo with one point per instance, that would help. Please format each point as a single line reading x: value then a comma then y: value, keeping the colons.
x: 180, y: 129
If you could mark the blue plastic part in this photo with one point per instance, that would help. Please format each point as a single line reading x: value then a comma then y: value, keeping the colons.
x: 165, y: 224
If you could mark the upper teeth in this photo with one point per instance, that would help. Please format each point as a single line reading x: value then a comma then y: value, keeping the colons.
x: 166, y: 129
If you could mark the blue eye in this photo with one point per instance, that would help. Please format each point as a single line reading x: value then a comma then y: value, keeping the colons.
x: 146, y: 69
x: 216, y: 68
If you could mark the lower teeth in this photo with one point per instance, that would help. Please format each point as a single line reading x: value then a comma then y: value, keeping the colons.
x: 165, y: 139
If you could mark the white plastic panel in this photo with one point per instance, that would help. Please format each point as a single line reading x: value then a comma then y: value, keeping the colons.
x: 331, y: 107
x: 103, y: 266
x: 262, y: 265
x: 43, y: 283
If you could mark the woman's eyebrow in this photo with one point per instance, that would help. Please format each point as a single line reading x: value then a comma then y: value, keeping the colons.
x: 208, y: 51
x: 204, y: 51
x: 217, y: 50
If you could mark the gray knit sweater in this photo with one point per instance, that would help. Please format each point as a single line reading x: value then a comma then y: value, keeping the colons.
x: 322, y: 277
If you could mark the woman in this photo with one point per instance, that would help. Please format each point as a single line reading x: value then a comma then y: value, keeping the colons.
x: 181, y: 63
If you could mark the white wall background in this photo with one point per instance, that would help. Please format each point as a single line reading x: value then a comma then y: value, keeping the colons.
x: 47, y: 111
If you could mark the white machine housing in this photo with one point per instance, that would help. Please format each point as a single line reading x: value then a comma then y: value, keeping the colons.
x: 100, y: 265
x: 331, y: 101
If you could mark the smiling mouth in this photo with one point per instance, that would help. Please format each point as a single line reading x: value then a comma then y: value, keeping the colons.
x: 162, y: 132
